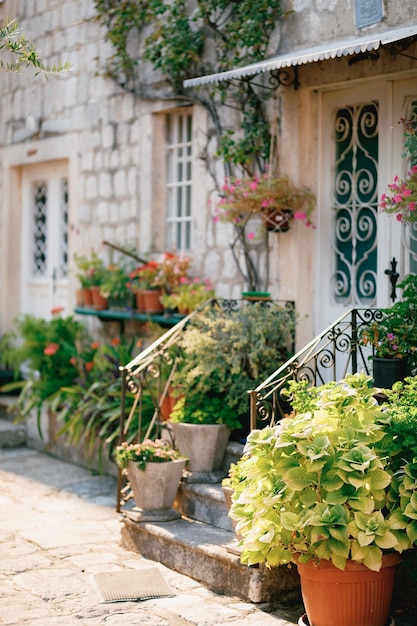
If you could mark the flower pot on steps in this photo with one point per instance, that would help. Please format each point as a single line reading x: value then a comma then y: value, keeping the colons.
x: 155, y: 487
x: 204, y: 444
x: 355, y: 596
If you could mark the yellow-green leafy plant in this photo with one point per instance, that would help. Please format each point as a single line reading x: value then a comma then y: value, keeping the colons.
x: 333, y: 482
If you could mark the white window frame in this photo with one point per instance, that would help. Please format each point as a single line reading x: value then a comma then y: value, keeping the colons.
x: 179, y: 156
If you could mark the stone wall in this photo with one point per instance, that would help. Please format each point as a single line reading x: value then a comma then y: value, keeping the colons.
x: 113, y: 144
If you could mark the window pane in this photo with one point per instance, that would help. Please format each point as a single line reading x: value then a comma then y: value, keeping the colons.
x: 39, y: 228
x: 356, y: 204
x: 179, y: 179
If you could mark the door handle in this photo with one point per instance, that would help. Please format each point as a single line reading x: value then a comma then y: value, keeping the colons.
x: 393, y: 277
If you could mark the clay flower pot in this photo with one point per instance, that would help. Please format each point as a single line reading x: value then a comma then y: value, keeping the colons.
x: 355, y: 596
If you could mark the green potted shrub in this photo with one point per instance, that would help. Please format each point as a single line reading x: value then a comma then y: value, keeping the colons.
x: 394, y: 337
x: 225, y: 354
x: 154, y: 469
x: 332, y: 489
x: 90, y: 274
x: 115, y: 287
x: 201, y: 425
x: 188, y: 295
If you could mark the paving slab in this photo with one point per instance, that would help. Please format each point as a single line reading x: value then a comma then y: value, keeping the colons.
x: 58, y: 526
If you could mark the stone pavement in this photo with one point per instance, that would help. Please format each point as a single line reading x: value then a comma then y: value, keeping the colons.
x: 58, y: 526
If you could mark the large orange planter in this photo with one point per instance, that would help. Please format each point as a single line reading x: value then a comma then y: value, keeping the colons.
x: 355, y: 596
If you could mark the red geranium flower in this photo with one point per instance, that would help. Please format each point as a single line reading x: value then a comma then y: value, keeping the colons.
x: 51, y: 349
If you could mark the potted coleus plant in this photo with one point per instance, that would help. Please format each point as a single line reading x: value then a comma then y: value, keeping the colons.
x: 393, y: 337
x: 333, y: 490
x: 154, y: 469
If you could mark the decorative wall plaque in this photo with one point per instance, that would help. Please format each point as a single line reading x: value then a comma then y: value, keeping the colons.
x: 368, y: 12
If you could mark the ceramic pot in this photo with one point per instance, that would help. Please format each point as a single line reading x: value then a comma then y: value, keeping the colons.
x: 204, y: 444
x: 355, y: 596
x: 152, y: 299
x: 87, y: 297
x: 140, y: 300
x: 303, y: 621
x: 99, y: 302
x: 155, y: 487
x: 386, y: 372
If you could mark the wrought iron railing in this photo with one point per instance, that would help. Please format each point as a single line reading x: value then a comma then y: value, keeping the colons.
x: 147, y: 378
x: 334, y: 353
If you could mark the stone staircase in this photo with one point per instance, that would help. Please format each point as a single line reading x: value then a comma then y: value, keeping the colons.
x: 202, y: 544
x: 11, y: 435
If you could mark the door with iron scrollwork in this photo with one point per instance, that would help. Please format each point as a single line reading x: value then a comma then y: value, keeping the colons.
x: 44, y: 239
x: 360, y: 154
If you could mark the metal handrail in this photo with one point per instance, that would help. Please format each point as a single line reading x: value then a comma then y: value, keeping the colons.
x: 330, y: 356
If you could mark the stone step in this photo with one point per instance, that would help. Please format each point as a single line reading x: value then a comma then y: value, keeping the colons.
x: 11, y: 435
x: 204, y: 503
x: 208, y: 555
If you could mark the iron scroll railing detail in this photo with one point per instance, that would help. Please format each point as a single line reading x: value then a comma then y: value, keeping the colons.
x: 147, y: 381
x: 329, y: 356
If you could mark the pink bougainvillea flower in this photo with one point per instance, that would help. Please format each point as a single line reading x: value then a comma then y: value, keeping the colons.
x: 216, y: 219
x: 407, y: 192
x: 253, y: 185
x: 398, y: 198
x: 300, y: 215
x: 51, y: 349
x: 412, y: 206
x: 58, y: 309
x: 399, y: 218
x: 265, y: 203
x: 251, y: 235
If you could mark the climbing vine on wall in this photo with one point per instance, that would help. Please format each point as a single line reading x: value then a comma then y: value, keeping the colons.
x: 184, y: 39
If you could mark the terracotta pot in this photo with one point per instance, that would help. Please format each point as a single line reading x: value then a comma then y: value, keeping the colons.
x: 303, y: 621
x: 87, y: 297
x: 152, y: 301
x: 155, y: 487
x: 167, y: 407
x: 204, y: 444
x: 355, y: 596
x: 99, y: 302
x: 386, y: 372
x: 79, y: 297
x: 140, y: 300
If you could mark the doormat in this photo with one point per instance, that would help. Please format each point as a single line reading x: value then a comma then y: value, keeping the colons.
x: 142, y: 584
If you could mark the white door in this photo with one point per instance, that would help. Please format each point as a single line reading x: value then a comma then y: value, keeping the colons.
x: 361, y: 146
x: 44, y: 239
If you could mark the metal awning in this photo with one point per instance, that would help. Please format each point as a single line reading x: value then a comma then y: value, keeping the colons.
x: 326, y: 50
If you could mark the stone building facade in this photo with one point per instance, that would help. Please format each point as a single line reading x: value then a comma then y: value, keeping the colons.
x: 102, y: 157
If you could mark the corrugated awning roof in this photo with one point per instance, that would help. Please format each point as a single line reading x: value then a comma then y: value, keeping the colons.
x: 326, y: 50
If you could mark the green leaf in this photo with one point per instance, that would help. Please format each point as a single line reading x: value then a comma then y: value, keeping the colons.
x: 298, y: 480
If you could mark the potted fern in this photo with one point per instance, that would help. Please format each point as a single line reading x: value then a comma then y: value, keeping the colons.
x: 334, y: 491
